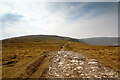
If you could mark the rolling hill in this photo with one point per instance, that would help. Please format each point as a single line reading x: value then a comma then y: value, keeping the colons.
x: 101, y: 41
x: 37, y: 38
x: 90, y: 41
x: 35, y: 52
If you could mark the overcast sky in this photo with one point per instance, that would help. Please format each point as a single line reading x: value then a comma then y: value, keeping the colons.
x: 71, y: 19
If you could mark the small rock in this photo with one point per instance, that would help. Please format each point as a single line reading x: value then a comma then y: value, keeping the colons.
x: 57, y: 75
x: 94, y: 67
x: 67, y: 74
x: 82, y: 74
x: 75, y: 69
x: 79, y: 71
x: 65, y: 55
x: 73, y: 61
x: 60, y: 63
x: 81, y: 63
x: 92, y: 62
x: 79, y: 67
x: 76, y: 58
x: 68, y: 64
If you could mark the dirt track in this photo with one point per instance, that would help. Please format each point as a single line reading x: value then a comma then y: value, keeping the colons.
x: 66, y: 64
x: 33, y: 67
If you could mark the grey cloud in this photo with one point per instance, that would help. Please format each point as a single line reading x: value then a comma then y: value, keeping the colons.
x: 11, y: 18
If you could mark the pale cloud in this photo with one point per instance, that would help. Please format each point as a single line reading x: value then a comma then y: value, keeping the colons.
x: 69, y: 0
x: 61, y: 19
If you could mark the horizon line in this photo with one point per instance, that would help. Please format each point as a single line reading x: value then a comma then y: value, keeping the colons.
x: 58, y: 36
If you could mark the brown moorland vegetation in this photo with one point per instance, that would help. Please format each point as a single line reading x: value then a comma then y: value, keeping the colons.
x: 106, y: 55
x: 20, y: 57
x: 28, y: 57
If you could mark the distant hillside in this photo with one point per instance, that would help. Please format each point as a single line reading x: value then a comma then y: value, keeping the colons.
x: 37, y: 38
x: 101, y: 41
x: 90, y: 41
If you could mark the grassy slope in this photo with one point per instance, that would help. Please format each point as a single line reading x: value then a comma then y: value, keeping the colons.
x: 17, y: 56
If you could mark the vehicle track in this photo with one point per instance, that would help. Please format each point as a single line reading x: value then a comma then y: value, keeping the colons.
x: 33, y: 67
x: 68, y: 64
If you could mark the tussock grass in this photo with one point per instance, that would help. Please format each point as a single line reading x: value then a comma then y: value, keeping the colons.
x: 17, y: 56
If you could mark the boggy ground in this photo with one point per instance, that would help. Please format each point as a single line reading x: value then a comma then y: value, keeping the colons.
x: 69, y: 64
